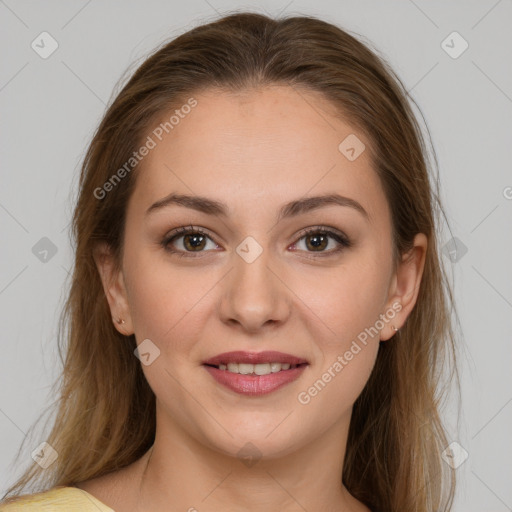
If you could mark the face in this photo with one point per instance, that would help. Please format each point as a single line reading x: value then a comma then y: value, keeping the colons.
x: 312, y: 280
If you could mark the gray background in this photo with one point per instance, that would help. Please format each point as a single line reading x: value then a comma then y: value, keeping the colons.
x: 50, y: 107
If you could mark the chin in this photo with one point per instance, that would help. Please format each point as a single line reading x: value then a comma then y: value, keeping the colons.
x: 267, y: 439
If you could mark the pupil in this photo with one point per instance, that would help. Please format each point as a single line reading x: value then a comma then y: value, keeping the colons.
x: 317, y: 240
x: 194, y: 241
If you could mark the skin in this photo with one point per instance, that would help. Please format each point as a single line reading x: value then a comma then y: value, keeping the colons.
x: 254, y: 152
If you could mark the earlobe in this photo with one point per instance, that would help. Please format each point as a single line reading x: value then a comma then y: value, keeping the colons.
x: 406, y: 285
x: 114, y: 287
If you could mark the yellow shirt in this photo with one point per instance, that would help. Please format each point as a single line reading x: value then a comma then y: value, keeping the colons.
x: 58, y: 499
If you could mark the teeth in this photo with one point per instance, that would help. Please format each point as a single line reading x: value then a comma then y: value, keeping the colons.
x: 275, y: 367
x: 262, y: 369
x: 257, y: 369
x: 245, y: 369
x: 233, y: 367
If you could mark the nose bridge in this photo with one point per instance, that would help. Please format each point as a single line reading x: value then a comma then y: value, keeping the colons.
x: 255, y: 295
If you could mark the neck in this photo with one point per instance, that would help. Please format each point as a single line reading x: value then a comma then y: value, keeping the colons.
x: 183, y: 473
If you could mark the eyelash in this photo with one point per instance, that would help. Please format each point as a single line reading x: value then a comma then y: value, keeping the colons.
x: 339, y: 237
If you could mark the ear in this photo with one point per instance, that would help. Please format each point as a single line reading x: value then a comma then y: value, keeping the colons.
x: 405, y: 285
x: 114, y: 287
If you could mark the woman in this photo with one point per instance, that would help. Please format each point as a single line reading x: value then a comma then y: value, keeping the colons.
x: 258, y: 315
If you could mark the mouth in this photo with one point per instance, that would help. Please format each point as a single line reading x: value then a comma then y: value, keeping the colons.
x: 256, y: 369
x: 255, y: 373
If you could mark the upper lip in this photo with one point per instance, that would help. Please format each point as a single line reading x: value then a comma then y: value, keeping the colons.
x: 242, y: 356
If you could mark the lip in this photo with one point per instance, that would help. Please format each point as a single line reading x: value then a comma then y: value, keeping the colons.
x: 242, y: 356
x: 255, y: 385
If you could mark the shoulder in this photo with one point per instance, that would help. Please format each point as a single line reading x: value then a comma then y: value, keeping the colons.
x: 67, y: 499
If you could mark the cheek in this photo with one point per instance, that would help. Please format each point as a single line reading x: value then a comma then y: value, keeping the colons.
x: 344, y: 300
x: 346, y: 303
x: 346, y: 351
x: 165, y: 299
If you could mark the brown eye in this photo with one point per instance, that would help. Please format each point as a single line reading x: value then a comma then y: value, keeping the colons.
x: 194, y: 241
x: 317, y: 242
x: 187, y: 240
x: 322, y: 241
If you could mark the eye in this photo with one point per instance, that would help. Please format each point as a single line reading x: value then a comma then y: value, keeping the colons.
x: 187, y: 239
x: 317, y: 239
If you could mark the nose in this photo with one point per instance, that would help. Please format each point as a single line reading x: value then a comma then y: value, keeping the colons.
x: 255, y: 295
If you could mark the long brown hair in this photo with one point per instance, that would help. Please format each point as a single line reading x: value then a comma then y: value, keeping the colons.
x: 105, y: 418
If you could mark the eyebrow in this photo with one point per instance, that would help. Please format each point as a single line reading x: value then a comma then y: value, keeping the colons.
x: 291, y: 209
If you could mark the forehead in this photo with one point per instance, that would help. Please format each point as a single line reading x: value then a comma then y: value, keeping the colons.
x: 256, y: 150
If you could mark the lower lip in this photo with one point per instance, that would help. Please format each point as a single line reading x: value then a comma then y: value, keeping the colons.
x: 255, y: 385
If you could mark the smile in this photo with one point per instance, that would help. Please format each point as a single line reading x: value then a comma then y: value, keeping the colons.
x: 256, y: 369
x: 255, y: 373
